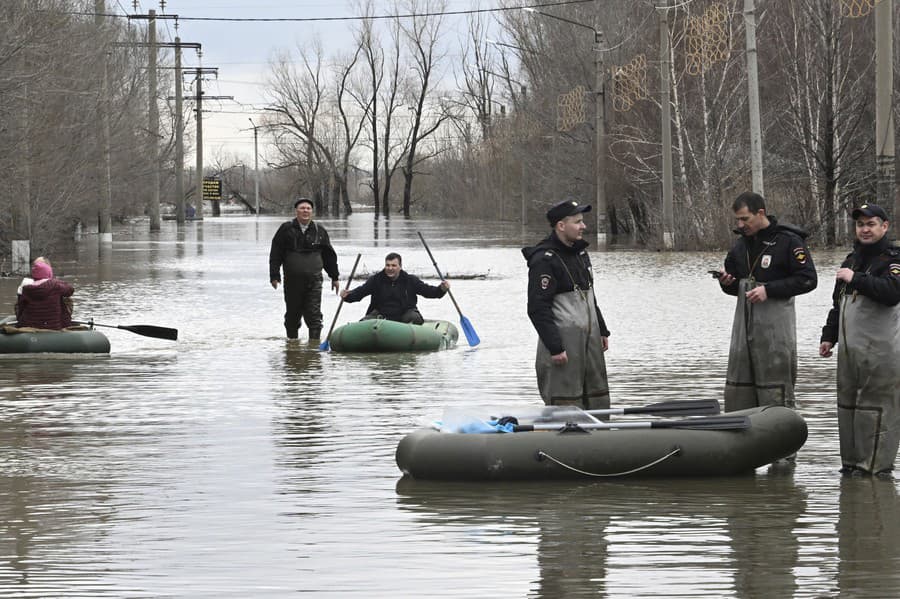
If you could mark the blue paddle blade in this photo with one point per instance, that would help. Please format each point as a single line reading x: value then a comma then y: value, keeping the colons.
x: 469, y: 330
x: 323, y: 346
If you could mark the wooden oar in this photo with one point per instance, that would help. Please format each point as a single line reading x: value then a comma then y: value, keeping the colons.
x: 141, y: 329
x: 468, y: 329
x: 721, y: 423
x: 687, y: 407
x: 325, y: 345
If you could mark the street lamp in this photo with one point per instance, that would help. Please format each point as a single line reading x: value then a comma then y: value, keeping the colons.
x: 255, y: 164
x: 599, y: 129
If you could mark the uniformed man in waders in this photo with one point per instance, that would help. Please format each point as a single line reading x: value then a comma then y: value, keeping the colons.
x: 768, y: 265
x: 865, y: 324
x: 302, y: 247
x: 572, y: 334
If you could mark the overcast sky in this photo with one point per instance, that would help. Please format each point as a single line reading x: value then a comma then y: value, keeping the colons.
x: 242, y: 50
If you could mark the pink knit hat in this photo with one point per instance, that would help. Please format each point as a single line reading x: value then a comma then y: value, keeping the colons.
x: 41, y: 270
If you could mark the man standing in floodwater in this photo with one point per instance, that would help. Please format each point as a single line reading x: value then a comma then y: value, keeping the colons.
x: 572, y: 335
x: 865, y: 322
x: 768, y: 265
x: 302, y: 247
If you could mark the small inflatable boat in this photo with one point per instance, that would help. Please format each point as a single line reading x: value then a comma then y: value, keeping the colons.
x: 76, y: 340
x: 380, y: 335
x: 765, y: 435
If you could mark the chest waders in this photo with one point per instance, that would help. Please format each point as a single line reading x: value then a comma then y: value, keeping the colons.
x: 582, y: 380
x: 868, y: 383
x: 762, y: 359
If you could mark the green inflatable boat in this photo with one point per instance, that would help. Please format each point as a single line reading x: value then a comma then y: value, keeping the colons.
x: 380, y: 335
x: 77, y: 340
x: 767, y: 435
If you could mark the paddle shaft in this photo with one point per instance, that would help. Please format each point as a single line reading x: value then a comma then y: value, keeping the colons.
x: 341, y: 303
x: 682, y: 407
x: 711, y: 423
x: 438, y: 269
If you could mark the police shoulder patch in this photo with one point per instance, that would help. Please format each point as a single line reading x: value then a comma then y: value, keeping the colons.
x: 894, y: 269
x: 545, y: 281
x: 800, y: 255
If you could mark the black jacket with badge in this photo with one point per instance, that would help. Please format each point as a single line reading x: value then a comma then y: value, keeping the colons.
x: 876, y: 275
x: 302, y: 254
x: 776, y: 256
x: 393, y: 297
x: 552, y: 266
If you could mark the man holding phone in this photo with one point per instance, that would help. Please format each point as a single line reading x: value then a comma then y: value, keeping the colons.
x: 768, y: 265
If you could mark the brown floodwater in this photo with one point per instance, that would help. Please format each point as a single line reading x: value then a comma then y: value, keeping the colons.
x: 234, y: 463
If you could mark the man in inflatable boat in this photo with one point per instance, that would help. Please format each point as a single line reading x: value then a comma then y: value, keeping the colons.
x: 394, y: 292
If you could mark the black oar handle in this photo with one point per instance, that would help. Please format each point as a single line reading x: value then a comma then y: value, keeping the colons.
x: 438, y: 269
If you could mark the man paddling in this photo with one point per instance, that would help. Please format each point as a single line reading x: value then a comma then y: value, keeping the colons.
x: 394, y: 292
x: 865, y: 322
x: 768, y: 265
x: 572, y: 335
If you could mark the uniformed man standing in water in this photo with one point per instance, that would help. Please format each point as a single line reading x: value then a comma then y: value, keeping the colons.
x: 865, y: 323
x: 572, y: 334
x: 768, y: 265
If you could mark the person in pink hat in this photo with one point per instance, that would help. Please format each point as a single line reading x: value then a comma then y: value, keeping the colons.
x: 44, y: 301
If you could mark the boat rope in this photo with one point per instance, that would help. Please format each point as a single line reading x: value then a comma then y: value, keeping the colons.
x: 543, y: 454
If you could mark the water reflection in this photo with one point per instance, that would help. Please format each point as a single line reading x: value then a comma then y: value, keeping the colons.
x: 868, y: 531
x: 634, y: 538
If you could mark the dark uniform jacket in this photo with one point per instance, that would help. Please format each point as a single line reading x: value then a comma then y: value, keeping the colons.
x: 43, y: 305
x: 554, y: 267
x: 393, y: 298
x: 302, y: 254
x: 777, y: 257
x: 876, y: 275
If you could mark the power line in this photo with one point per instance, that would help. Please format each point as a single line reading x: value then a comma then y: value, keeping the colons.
x: 354, y: 18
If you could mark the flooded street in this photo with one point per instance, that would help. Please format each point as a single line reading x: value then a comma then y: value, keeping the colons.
x: 233, y: 463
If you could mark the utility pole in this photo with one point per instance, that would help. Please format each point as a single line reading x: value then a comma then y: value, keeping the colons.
x: 600, y: 152
x: 255, y: 164
x: 884, y: 118
x: 104, y: 203
x: 154, y: 125
x: 198, y: 99
x: 665, y: 65
x: 756, y: 162
x: 153, y: 108
x: 179, y: 138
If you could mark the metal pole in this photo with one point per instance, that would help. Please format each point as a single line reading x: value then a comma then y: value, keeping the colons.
x: 756, y: 162
x: 256, y: 167
x: 665, y: 57
x: 154, y: 126
x: 104, y: 207
x: 179, y: 139
x: 600, y: 143
x: 199, y: 101
x: 884, y: 118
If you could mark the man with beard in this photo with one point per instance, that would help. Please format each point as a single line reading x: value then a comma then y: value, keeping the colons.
x: 865, y: 322
x: 768, y: 265
x: 572, y: 335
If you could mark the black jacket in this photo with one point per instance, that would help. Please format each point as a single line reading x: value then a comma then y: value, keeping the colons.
x: 552, y: 266
x: 393, y: 297
x: 876, y: 275
x: 302, y: 254
x: 776, y: 256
